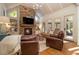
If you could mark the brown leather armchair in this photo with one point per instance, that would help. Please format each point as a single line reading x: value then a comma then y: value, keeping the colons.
x: 55, y: 41
x: 29, y: 45
x: 29, y: 48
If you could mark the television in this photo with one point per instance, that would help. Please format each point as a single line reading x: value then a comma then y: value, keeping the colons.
x: 27, y: 20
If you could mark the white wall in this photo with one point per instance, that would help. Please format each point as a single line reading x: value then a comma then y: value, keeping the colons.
x: 78, y: 25
x: 71, y: 10
x: 2, y: 9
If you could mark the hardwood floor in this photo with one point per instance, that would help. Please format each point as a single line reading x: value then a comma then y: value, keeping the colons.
x: 69, y: 48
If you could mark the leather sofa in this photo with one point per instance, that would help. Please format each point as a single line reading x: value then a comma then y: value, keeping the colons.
x: 55, y: 41
x: 29, y: 45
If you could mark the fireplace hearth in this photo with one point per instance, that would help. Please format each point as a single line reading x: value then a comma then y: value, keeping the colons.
x: 27, y: 31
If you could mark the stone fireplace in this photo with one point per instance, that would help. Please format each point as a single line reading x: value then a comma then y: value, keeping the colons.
x: 27, y: 30
x: 27, y: 14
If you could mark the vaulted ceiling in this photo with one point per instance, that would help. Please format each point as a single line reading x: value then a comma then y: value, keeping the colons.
x: 42, y: 9
x: 46, y: 8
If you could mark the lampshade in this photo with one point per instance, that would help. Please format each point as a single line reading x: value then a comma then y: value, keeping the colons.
x: 4, y: 19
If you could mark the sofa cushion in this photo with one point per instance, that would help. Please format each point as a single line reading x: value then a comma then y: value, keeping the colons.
x: 28, y: 37
x: 54, y: 35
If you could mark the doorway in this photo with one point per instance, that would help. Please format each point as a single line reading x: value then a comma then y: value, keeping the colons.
x: 68, y: 28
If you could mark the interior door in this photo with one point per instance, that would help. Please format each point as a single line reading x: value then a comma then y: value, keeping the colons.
x: 68, y: 27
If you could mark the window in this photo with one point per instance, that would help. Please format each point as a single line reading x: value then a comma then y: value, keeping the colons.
x: 69, y: 26
x: 13, y: 13
x: 57, y: 23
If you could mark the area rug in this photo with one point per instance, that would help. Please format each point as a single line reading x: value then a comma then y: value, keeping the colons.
x: 42, y: 46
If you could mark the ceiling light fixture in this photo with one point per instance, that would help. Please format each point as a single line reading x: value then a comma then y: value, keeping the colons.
x: 37, y: 6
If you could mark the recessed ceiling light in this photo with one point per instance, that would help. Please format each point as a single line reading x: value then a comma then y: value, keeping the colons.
x: 37, y: 6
